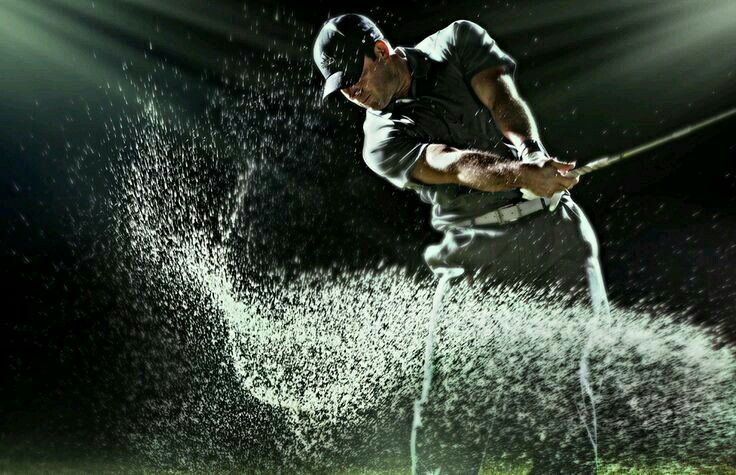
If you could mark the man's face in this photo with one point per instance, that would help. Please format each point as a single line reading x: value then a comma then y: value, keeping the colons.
x: 376, y: 86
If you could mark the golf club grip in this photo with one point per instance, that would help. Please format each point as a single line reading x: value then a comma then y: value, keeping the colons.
x: 591, y: 167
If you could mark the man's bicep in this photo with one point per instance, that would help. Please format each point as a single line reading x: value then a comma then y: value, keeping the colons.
x: 436, y: 166
x: 392, y: 154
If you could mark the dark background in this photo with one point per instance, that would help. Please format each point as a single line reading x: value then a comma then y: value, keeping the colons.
x: 599, y: 76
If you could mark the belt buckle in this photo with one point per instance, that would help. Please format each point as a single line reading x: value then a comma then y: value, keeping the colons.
x: 499, y: 214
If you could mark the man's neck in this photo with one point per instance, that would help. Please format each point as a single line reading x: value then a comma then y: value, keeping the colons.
x: 404, y: 74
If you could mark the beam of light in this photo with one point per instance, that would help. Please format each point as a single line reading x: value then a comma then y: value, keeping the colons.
x: 90, y: 40
x: 35, y: 35
x: 219, y: 18
x: 703, y: 30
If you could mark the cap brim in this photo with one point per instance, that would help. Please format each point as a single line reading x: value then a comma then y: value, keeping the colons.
x: 337, y: 81
x: 349, y: 75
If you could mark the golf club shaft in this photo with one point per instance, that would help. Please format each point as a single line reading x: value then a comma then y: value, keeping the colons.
x: 603, y: 162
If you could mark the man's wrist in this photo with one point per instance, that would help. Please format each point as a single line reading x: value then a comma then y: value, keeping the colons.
x: 523, y: 174
x: 530, y: 146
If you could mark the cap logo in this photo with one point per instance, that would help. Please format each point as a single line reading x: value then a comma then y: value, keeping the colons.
x: 327, y: 60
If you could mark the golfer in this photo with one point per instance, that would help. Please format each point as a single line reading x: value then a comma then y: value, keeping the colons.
x: 445, y: 119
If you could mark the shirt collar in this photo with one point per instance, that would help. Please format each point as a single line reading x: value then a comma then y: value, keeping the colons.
x: 419, y: 63
x: 418, y: 66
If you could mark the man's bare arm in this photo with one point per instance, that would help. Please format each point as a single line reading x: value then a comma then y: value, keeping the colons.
x: 485, y: 171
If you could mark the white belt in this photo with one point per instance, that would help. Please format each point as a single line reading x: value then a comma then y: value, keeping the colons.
x: 507, y: 214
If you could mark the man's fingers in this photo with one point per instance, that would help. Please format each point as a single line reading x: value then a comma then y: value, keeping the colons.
x: 562, y: 166
x: 568, y: 181
x: 554, y: 177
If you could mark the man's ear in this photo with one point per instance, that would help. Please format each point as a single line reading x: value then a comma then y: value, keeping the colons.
x: 382, y: 49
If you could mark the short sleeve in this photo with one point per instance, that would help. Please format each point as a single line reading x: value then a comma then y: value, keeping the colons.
x: 475, y: 50
x: 390, y: 152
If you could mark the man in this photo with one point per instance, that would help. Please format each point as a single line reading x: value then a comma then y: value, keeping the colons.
x: 445, y: 119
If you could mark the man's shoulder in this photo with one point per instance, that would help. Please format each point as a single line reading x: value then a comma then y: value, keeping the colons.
x: 443, y: 41
x: 379, y: 122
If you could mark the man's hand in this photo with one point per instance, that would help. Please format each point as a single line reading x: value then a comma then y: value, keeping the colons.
x: 548, y: 176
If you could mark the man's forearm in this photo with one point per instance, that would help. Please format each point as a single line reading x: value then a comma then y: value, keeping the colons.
x: 487, y: 172
x: 512, y: 114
